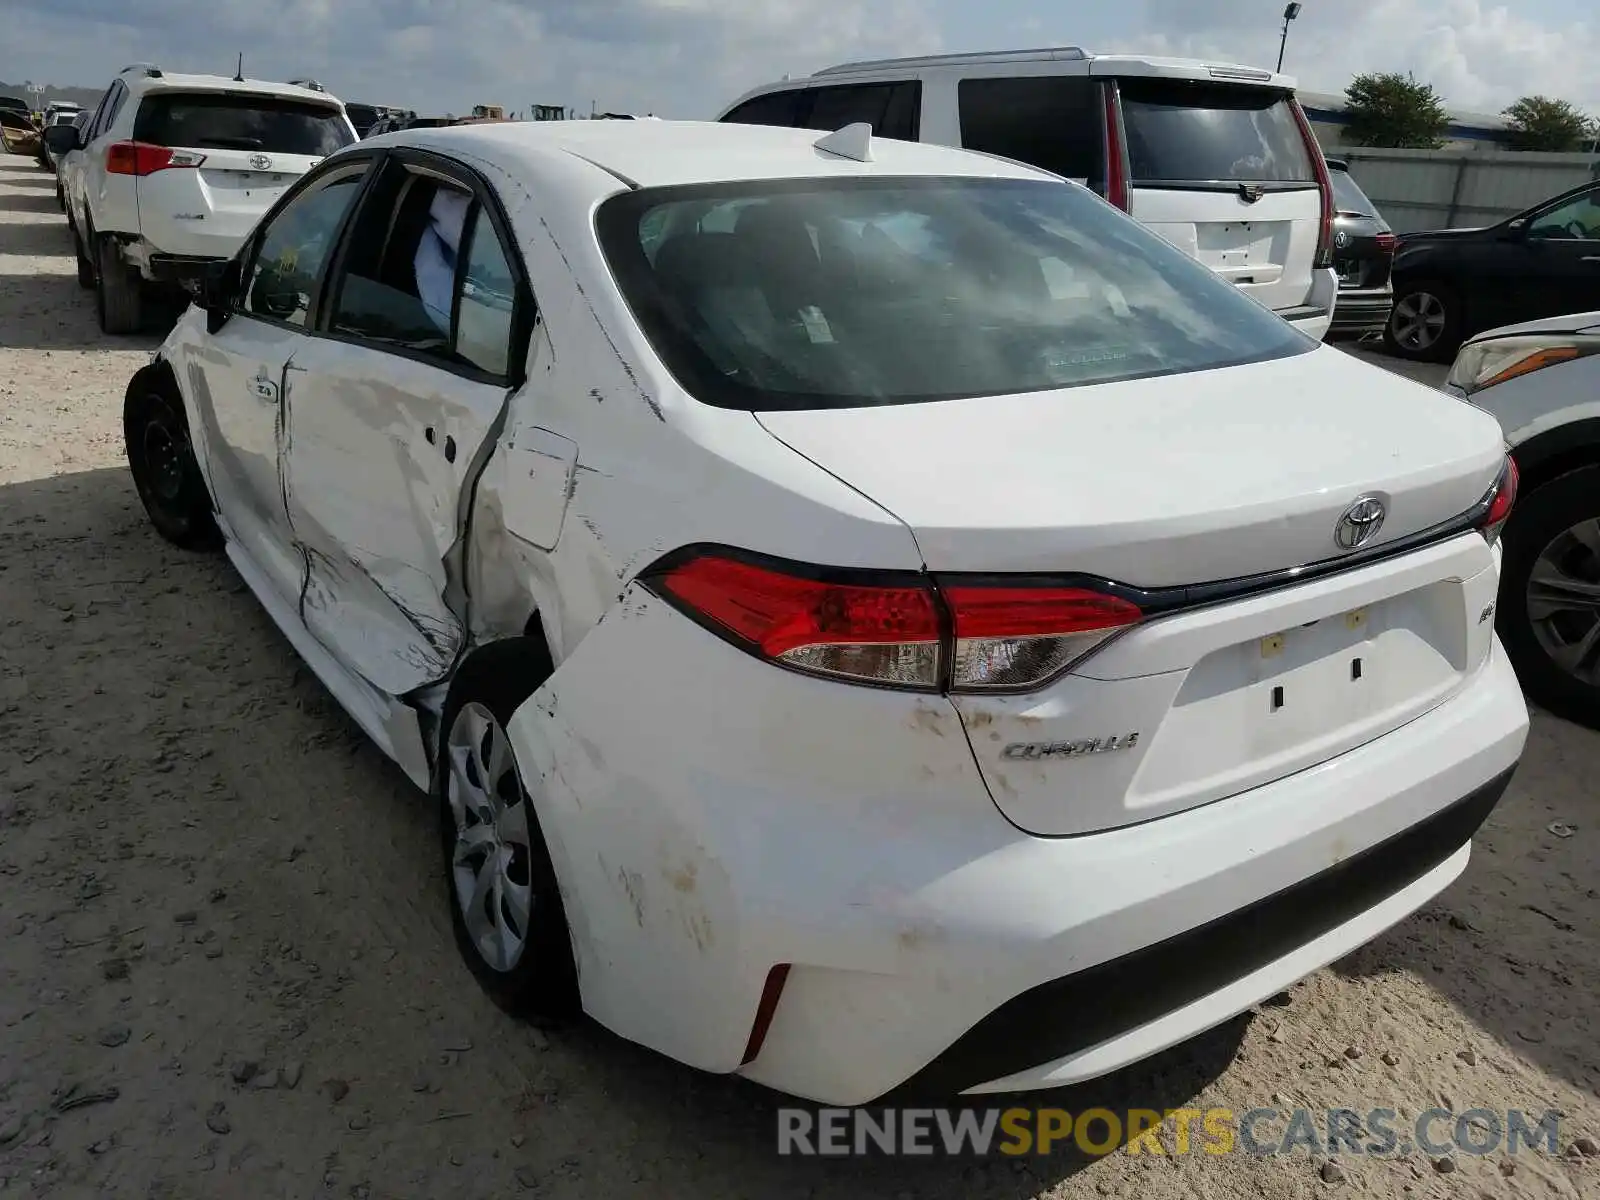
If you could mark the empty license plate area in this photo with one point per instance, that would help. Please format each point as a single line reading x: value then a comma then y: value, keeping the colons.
x: 1260, y: 709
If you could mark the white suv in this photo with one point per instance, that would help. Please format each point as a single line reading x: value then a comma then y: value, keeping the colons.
x: 1218, y: 159
x: 175, y: 171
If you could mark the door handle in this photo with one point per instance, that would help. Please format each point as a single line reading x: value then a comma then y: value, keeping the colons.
x: 264, y: 389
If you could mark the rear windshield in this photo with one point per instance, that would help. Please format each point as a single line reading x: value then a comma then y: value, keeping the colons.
x: 839, y: 293
x: 1182, y: 132
x: 1348, y: 196
x: 241, y: 123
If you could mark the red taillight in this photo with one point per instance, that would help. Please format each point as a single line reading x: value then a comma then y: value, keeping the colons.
x: 1324, y: 184
x: 1116, y: 156
x: 141, y: 158
x: 1387, y: 242
x: 1012, y: 637
x: 903, y: 632
x: 1501, y: 501
x: 885, y: 634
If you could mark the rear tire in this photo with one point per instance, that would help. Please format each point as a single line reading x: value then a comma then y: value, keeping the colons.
x: 1554, y: 534
x: 61, y: 198
x: 119, y: 292
x: 511, y: 930
x: 85, y: 267
x: 165, y: 473
x: 1425, y: 324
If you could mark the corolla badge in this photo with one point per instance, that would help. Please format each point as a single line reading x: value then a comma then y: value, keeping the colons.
x: 260, y: 162
x: 1360, y: 523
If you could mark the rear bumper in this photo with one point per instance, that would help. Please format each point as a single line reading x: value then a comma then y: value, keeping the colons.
x: 183, y: 270
x: 1362, y: 312
x: 761, y: 819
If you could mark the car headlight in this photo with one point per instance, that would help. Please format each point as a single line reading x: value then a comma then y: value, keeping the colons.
x: 1481, y: 365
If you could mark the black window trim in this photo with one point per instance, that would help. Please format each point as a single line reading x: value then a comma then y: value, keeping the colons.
x: 525, y: 309
x: 323, y: 172
x: 805, y: 95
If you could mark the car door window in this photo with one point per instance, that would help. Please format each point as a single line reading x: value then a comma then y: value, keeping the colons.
x: 1577, y: 219
x: 890, y: 108
x: 488, y: 300
x: 293, y: 248
x: 107, y: 110
x: 427, y: 275
x: 1052, y: 122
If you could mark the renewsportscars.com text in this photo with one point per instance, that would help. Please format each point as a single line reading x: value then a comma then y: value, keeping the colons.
x: 1261, y: 1132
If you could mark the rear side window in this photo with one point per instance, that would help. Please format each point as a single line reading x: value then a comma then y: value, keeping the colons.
x: 225, y: 122
x: 775, y: 108
x: 1183, y: 132
x: 1348, y: 196
x: 890, y: 108
x: 1052, y: 123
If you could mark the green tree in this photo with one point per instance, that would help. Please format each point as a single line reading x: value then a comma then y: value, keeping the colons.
x: 1394, y: 110
x: 1543, y: 123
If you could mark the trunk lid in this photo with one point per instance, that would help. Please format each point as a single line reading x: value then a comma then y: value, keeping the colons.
x: 1161, y: 482
x: 1179, y: 481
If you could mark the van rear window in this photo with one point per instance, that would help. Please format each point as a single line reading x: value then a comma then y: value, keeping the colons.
x: 1182, y: 132
x: 198, y: 120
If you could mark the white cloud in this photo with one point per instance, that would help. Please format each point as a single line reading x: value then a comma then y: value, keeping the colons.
x: 1479, y: 57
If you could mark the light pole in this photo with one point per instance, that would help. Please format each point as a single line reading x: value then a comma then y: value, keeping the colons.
x: 1289, y: 13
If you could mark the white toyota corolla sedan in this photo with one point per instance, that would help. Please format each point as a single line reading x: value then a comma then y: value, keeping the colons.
x: 867, y: 613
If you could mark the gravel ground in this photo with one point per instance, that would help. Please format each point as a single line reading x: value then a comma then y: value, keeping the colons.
x: 227, y: 969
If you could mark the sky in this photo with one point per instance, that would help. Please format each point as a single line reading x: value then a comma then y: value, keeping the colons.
x: 690, y: 58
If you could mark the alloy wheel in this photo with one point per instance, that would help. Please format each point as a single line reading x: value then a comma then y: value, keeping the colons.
x: 1418, y: 321
x: 1564, y: 601
x: 491, y: 866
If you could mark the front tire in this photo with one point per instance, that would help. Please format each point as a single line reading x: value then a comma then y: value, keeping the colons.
x: 165, y: 473
x: 505, y: 903
x: 1425, y: 324
x: 1549, y: 614
x: 118, y: 290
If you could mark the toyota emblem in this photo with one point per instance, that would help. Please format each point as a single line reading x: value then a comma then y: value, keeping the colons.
x: 260, y: 162
x: 1360, y: 523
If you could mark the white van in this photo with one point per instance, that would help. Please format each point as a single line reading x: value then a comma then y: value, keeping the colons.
x: 1218, y: 159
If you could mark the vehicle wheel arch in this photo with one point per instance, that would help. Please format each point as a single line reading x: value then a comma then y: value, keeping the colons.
x: 1548, y: 456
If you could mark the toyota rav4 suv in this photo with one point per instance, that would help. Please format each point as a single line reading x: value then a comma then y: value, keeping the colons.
x: 177, y: 169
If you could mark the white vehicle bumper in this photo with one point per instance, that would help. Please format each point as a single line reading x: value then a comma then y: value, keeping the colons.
x: 713, y: 818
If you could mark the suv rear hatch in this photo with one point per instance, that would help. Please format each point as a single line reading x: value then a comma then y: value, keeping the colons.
x: 1165, y: 490
x: 1223, y: 172
x: 218, y: 160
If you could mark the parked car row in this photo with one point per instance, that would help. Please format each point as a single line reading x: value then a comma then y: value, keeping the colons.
x: 570, y: 457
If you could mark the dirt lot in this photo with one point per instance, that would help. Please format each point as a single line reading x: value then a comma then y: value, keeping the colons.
x: 226, y: 969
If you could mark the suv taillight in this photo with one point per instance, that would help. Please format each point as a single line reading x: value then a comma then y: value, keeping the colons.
x: 890, y: 629
x: 1388, y: 243
x: 1324, y: 184
x: 1501, y: 501
x: 1115, y: 149
x: 141, y: 158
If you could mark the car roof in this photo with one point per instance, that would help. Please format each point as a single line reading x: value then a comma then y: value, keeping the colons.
x: 170, y: 81
x: 667, y: 153
x: 1101, y: 64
